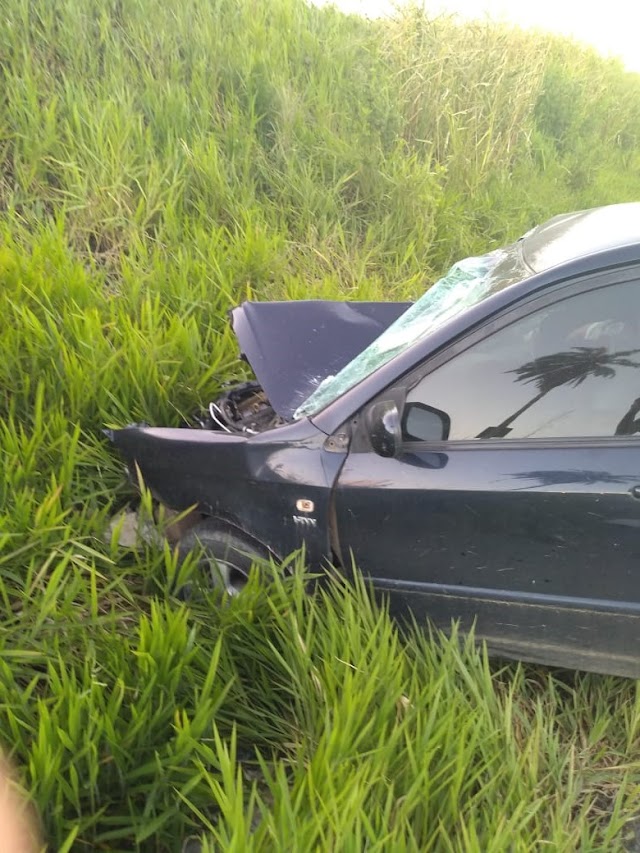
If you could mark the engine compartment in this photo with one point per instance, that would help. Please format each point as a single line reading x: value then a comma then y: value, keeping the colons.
x: 243, y: 409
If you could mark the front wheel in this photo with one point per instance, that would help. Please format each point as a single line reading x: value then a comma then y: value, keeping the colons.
x: 226, y: 558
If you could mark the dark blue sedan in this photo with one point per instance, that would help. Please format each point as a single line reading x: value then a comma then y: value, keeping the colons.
x: 475, y: 453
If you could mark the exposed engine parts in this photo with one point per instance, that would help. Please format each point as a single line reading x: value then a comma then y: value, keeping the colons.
x: 242, y: 409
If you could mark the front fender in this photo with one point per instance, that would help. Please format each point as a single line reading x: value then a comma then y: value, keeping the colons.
x: 255, y: 483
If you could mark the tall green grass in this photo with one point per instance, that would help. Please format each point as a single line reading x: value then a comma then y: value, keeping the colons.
x: 293, y: 722
x: 160, y: 162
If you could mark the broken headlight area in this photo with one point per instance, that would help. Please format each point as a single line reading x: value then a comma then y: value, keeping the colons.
x: 242, y: 409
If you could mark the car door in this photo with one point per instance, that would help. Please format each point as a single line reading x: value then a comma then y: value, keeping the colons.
x: 521, y: 512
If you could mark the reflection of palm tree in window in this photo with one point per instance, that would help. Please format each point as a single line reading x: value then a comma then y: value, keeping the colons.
x: 629, y: 423
x: 562, y: 368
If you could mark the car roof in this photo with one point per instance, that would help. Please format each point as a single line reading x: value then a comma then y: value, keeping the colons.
x: 585, y: 232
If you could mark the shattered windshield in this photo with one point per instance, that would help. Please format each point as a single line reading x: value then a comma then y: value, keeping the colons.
x: 467, y: 283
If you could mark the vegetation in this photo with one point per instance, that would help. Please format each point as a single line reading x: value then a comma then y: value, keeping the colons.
x: 159, y: 162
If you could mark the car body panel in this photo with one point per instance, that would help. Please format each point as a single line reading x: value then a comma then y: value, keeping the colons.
x: 293, y: 346
x: 254, y: 484
x: 569, y: 634
x: 571, y: 236
x: 527, y: 525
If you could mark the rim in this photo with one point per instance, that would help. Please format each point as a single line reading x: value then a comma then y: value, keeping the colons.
x: 226, y: 574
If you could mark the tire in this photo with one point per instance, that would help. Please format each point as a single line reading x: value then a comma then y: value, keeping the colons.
x: 226, y: 558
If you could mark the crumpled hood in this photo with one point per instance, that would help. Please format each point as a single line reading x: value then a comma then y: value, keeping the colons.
x: 293, y: 346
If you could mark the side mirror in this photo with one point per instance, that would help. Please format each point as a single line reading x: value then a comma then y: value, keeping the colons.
x: 383, y: 426
x: 424, y: 423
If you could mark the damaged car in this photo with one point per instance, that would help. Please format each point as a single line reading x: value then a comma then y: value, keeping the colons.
x: 475, y: 453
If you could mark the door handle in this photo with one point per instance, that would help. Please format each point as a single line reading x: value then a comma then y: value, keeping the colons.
x: 635, y: 491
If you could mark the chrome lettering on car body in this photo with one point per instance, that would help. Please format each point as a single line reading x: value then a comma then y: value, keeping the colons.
x: 305, y: 521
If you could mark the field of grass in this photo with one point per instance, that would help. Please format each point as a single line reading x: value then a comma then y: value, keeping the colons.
x: 160, y: 161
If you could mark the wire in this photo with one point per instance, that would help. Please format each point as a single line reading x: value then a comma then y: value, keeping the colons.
x: 214, y: 417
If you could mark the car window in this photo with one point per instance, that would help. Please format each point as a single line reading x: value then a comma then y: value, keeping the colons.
x: 571, y: 369
x: 467, y: 283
